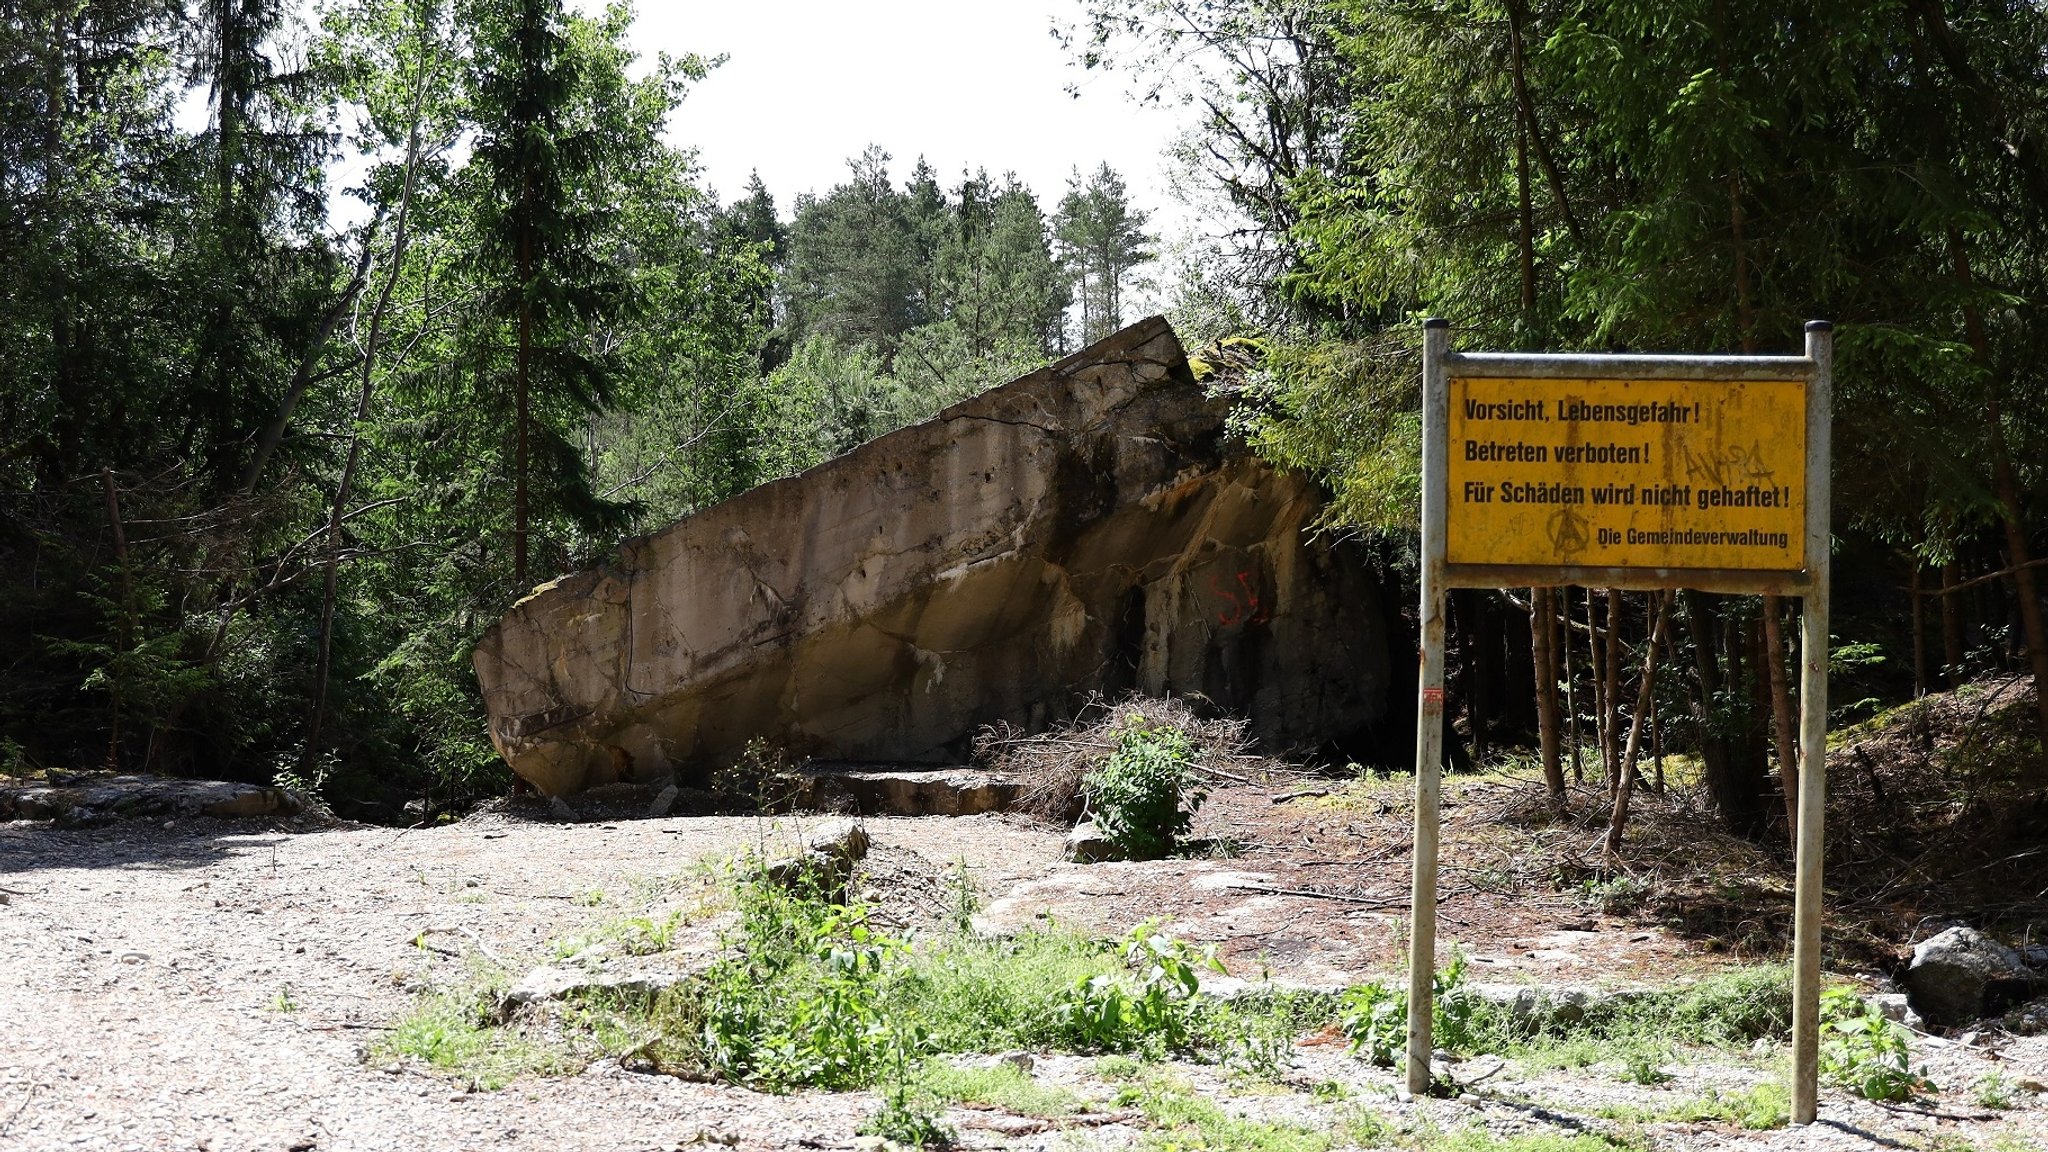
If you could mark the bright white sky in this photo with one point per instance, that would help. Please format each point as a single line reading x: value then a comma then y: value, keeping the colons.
x: 963, y: 83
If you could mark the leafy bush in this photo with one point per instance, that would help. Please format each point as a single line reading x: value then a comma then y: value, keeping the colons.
x: 1375, y: 1017
x: 1865, y: 1052
x: 1144, y: 796
x: 1638, y: 1030
x: 800, y: 1003
x: 977, y: 995
x: 1155, y: 1012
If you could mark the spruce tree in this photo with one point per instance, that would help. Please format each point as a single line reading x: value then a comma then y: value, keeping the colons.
x: 544, y: 157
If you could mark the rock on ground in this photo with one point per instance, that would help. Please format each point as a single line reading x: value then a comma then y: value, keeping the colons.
x: 1952, y: 970
x: 83, y: 798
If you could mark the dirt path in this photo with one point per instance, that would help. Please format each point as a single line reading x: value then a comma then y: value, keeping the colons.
x: 214, y: 985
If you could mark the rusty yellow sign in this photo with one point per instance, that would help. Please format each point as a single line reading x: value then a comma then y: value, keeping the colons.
x: 1627, y: 473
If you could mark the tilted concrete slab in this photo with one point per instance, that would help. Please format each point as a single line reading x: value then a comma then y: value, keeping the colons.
x: 1085, y: 528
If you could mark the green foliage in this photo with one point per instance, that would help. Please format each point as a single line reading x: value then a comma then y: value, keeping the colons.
x: 1995, y: 1090
x: 1348, y: 412
x: 1375, y: 1017
x: 1151, y: 1009
x: 1102, y: 242
x: 1477, y: 1138
x: 1000, y: 1085
x: 1192, y: 1121
x: 540, y: 334
x: 1637, y: 1030
x: 1645, y: 1066
x: 1865, y: 1052
x: 1762, y: 1107
x: 799, y: 1001
x: 1144, y: 795
x: 977, y: 995
x: 906, y: 1120
x: 963, y: 898
x: 453, y: 1031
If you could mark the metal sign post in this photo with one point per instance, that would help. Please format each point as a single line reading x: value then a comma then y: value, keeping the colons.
x: 1625, y: 471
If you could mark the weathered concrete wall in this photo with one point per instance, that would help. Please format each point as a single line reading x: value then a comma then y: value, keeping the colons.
x: 1083, y: 528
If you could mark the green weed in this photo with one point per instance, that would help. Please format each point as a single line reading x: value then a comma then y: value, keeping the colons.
x: 1145, y: 794
x: 976, y: 995
x: 1863, y: 1051
x: 1375, y: 1017
x: 1002, y: 1086
x: 452, y: 1031
x: 1188, y: 1121
x: 1117, y: 1069
x: 1767, y: 1105
x: 1476, y: 1138
x: 1150, y: 1008
x: 1646, y: 1066
x: 1995, y: 1091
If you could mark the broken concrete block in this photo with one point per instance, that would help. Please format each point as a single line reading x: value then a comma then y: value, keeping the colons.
x: 1087, y: 845
x: 824, y: 862
x: 1088, y: 528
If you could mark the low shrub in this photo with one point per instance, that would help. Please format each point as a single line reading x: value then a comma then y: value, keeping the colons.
x: 1145, y: 794
x: 1863, y: 1051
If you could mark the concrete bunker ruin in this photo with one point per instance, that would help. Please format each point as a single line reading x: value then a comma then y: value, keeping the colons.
x: 1086, y: 528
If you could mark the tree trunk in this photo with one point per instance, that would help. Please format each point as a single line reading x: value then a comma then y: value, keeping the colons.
x: 1517, y: 21
x: 1525, y: 239
x: 2005, y: 487
x: 1951, y: 626
x: 303, y: 376
x: 520, y: 417
x: 1478, y: 668
x: 1571, y: 691
x: 1596, y: 662
x: 125, y: 639
x: 365, y: 386
x: 1782, y: 725
x: 1657, y: 739
x: 1610, y: 722
x: 1914, y: 597
x: 1542, y: 633
x: 1645, y: 706
x: 1728, y: 769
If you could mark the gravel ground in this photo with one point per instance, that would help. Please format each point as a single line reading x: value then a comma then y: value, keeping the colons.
x: 216, y: 985
x: 209, y: 986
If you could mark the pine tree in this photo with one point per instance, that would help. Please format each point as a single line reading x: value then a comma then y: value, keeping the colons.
x: 1102, y: 242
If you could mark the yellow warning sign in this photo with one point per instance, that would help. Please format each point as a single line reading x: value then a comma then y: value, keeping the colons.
x: 1628, y: 473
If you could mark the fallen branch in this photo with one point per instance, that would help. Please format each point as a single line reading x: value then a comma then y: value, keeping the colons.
x: 1340, y: 897
x: 1300, y: 794
x: 1038, y: 1125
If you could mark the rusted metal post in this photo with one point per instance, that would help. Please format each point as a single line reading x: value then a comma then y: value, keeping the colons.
x: 1813, y: 732
x: 1429, y: 710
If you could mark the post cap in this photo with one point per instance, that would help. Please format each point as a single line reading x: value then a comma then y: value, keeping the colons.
x: 1820, y: 326
x: 1436, y: 322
